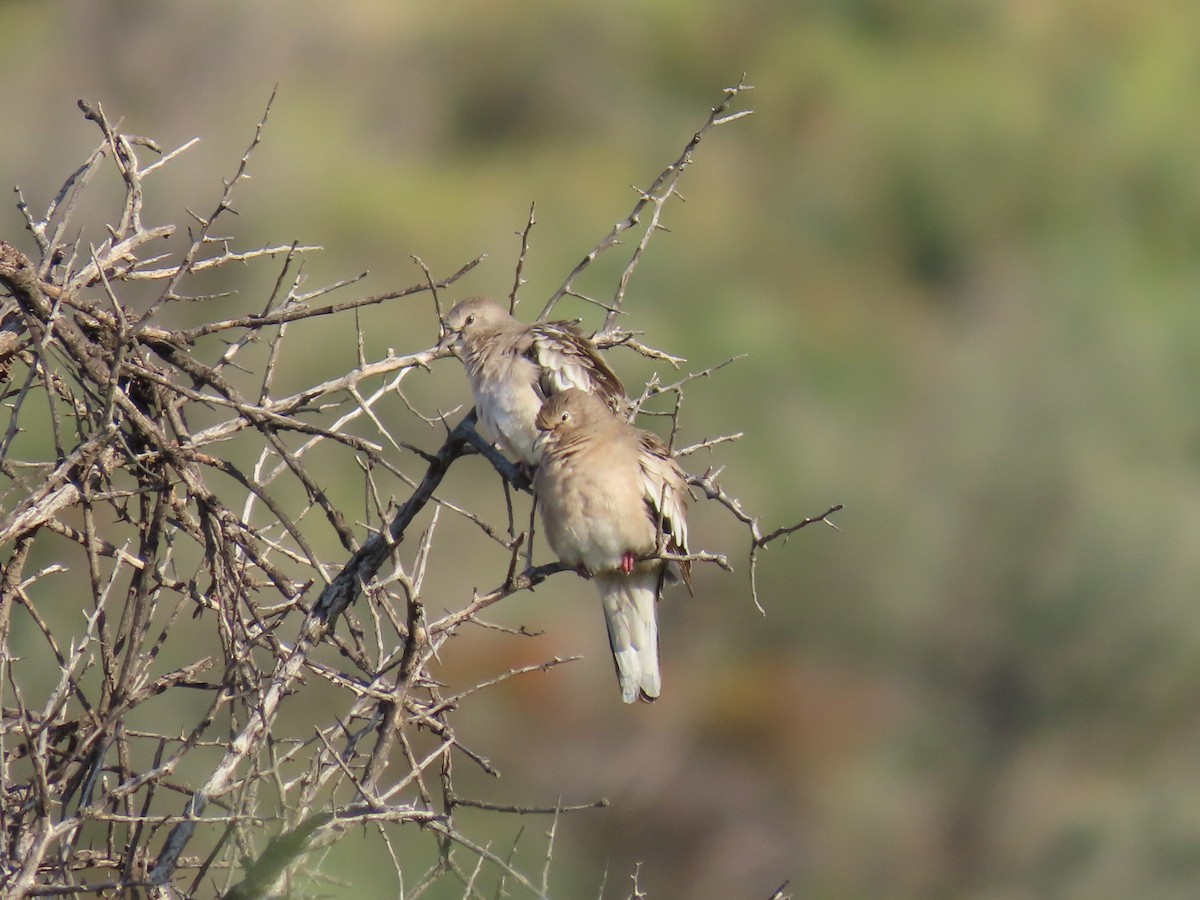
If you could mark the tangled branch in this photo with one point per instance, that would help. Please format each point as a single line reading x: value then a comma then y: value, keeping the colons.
x: 161, y: 466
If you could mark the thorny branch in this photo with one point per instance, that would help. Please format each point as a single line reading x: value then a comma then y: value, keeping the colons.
x: 656, y: 196
x: 178, y: 489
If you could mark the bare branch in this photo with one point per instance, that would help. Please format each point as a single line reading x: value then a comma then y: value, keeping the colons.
x: 518, y: 279
x: 198, y: 514
x: 660, y: 190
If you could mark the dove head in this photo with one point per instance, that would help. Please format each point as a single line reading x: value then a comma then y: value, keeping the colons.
x: 572, y: 409
x: 474, y: 316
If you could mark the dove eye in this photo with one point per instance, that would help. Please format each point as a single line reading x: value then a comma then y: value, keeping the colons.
x: 469, y: 320
x: 565, y: 417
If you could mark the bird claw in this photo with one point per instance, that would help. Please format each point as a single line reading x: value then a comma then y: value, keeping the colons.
x: 627, y: 561
x: 523, y: 478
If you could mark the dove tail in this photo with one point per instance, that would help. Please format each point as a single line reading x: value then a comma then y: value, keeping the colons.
x: 629, y: 611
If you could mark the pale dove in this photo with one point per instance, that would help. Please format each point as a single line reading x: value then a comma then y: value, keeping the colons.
x: 612, y: 495
x: 514, y: 367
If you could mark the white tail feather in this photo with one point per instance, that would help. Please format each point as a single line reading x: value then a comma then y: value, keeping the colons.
x: 629, y: 612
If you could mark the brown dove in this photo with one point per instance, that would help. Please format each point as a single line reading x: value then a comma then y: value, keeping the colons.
x: 613, y: 498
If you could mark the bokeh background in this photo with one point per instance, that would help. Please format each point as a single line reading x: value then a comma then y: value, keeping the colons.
x: 960, y: 243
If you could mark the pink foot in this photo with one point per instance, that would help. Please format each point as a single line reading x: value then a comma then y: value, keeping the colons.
x: 627, y: 560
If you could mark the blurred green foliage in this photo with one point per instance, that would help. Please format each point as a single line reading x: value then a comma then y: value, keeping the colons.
x: 959, y: 242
